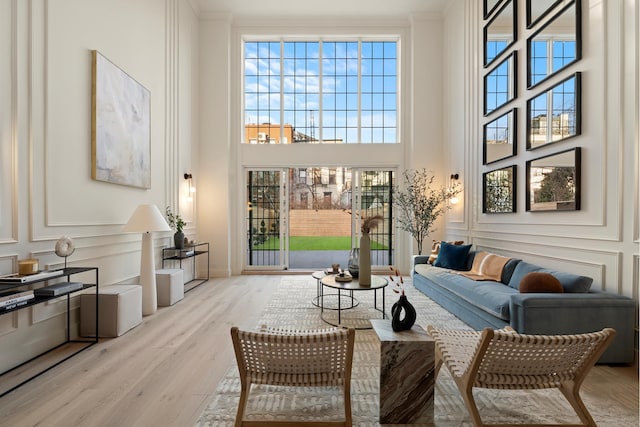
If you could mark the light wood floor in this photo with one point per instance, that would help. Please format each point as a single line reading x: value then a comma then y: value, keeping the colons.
x: 164, y: 372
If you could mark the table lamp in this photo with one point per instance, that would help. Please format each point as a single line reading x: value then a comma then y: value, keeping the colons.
x: 146, y: 219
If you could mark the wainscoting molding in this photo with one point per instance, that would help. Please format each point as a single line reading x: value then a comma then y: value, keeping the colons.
x: 48, y: 219
x: 604, y: 266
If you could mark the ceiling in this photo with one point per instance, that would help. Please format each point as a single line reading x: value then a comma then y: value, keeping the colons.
x: 320, y: 7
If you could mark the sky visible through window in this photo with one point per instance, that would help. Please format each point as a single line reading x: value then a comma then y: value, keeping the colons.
x: 321, y: 91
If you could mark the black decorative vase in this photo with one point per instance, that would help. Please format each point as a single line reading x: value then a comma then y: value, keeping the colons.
x: 399, y: 323
x: 178, y: 240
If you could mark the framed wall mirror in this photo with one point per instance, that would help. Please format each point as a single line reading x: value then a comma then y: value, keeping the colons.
x: 554, y: 115
x: 500, y: 84
x: 499, y: 138
x: 500, y: 32
x: 499, y: 190
x: 538, y: 9
x: 553, y: 182
x: 556, y: 45
x: 489, y: 7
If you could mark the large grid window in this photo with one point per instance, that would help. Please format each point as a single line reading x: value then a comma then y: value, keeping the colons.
x: 324, y: 91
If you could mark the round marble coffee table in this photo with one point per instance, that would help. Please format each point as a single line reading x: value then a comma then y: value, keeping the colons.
x: 329, y: 281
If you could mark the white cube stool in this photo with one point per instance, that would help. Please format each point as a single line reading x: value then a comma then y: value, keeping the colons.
x: 170, y: 286
x: 119, y: 310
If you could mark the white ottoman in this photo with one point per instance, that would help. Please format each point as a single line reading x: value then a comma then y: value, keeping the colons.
x: 170, y: 286
x: 119, y: 310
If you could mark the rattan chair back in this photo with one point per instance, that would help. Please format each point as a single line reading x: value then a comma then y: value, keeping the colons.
x: 311, y: 358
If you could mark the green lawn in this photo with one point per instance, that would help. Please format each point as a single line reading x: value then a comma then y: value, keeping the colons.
x: 301, y: 243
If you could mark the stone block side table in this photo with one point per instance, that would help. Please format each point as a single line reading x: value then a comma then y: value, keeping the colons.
x: 406, y: 374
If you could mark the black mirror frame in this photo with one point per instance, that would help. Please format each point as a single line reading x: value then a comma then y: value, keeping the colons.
x: 531, y: 22
x: 486, y: 11
x: 578, y: 32
x: 513, y: 131
x: 514, y: 28
x: 577, y: 162
x: 514, y: 186
x: 578, y: 110
x: 513, y: 56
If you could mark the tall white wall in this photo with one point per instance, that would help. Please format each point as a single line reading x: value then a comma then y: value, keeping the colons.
x: 46, y: 189
x: 600, y: 240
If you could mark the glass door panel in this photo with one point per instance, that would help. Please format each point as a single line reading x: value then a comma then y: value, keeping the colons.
x: 374, y: 200
x: 266, y: 224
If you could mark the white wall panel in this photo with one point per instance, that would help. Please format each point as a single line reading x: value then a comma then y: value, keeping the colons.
x: 64, y: 35
x: 8, y: 142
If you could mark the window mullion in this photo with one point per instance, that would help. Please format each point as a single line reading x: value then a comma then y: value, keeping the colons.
x: 282, y: 93
x: 359, y: 91
x: 320, y: 83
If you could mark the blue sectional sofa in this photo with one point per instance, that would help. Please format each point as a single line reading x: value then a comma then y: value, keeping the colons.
x: 496, y: 304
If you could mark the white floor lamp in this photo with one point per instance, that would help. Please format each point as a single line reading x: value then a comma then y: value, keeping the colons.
x: 146, y: 219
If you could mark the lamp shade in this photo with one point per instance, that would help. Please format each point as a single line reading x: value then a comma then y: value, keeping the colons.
x: 146, y: 218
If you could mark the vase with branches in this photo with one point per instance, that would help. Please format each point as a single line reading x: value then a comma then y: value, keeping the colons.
x: 419, y: 203
x: 175, y: 221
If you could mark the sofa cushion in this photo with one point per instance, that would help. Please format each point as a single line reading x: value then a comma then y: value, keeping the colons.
x: 452, y: 256
x: 491, y: 297
x: 538, y: 281
x: 522, y: 269
x: 508, y: 270
x: 435, y: 249
x: 570, y: 282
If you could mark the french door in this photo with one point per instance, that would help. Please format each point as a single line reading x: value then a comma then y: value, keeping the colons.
x: 309, y: 217
x: 266, y: 221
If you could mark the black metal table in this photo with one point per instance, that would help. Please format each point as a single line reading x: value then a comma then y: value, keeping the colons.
x: 329, y: 281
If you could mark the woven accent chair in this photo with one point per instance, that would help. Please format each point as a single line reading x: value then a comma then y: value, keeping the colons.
x: 505, y: 359
x: 314, y: 358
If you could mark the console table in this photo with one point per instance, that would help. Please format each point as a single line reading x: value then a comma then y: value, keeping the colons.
x: 190, y: 251
x: 30, y: 369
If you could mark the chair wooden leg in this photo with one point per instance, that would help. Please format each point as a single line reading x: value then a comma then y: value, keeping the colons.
x: 347, y: 406
x: 572, y: 394
x: 467, y: 395
x: 242, y: 405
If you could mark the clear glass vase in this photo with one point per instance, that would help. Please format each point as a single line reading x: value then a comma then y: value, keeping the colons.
x: 354, y: 262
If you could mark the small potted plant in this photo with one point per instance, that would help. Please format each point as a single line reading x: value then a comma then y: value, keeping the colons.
x: 176, y: 222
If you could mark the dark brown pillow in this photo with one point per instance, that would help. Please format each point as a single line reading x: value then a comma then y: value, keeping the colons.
x: 537, y: 281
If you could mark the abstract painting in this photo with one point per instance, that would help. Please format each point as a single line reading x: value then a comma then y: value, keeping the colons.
x: 121, y: 126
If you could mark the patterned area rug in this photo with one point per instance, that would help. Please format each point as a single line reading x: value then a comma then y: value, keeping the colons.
x: 291, y: 306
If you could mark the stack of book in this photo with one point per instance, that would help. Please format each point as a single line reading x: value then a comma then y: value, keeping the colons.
x: 41, y: 275
x: 58, y: 289
x: 12, y: 300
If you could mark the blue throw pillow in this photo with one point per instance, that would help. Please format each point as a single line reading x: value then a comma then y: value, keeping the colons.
x: 521, y: 270
x: 452, y: 256
x: 572, y: 283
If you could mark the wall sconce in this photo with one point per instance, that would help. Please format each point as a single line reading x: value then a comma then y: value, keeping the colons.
x: 192, y: 189
x: 453, y: 184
